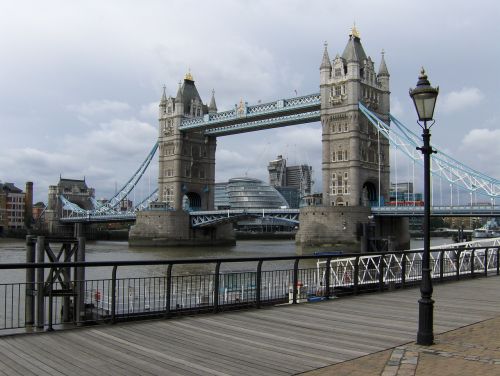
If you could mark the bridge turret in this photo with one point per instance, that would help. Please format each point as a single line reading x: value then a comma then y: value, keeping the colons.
x: 383, y: 79
x: 325, y: 73
x: 179, y: 104
x: 163, y: 104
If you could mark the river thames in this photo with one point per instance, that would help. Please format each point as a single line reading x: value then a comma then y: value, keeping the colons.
x: 13, y: 251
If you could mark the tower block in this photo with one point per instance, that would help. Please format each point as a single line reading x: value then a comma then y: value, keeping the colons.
x: 186, y: 176
x: 355, y: 159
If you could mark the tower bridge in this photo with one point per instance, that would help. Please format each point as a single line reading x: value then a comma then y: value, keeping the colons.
x: 353, y: 106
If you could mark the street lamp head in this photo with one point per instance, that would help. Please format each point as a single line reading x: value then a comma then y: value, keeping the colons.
x: 424, y: 97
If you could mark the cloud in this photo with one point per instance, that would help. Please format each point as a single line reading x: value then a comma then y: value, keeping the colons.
x: 98, y: 107
x: 150, y: 111
x: 396, y: 107
x: 479, y: 149
x: 462, y: 99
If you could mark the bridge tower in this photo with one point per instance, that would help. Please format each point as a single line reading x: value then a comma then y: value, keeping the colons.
x: 186, y: 160
x: 186, y: 176
x: 355, y: 161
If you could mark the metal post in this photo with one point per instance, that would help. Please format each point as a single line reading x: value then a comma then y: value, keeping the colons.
x: 425, y: 335
x: 216, y: 286
x: 51, y: 302
x: 381, y: 273
x: 168, y: 291
x: 258, y: 283
x: 441, y: 266
x: 40, y: 278
x: 67, y: 281
x: 80, y: 282
x: 327, y: 277
x: 295, y: 281
x: 486, y: 262
x: 471, y: 263
x: 356, y: 275
x: 403, y: 270
x: 113, y: 294
x: 29, y: 305
x: 457, y: 263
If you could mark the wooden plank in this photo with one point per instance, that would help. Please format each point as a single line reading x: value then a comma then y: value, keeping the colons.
x: 270, y: 341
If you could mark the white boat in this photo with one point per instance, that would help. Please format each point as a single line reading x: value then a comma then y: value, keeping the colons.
x: 489, y: 230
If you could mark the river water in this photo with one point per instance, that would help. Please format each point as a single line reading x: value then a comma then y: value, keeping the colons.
x: 13, y: 251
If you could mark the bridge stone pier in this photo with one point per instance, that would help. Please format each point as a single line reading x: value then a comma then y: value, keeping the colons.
x: 355, y: 158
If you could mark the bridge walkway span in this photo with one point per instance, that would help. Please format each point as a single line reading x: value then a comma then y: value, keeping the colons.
x: 270, y: 341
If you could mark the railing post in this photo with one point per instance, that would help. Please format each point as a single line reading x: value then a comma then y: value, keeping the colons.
x: 327, y: 277
x: 356, y: 275
x: 381, y: 273
x: 168, y: 291
x: 457, y: 263
x: 403, y: 270
x: 51, y: 301
x: 498, y: 260
x: 216, y: 286
x: 441, y: 265
x: 113, y: 294
x: 258, y: 282
x: 472, y: 257
x: 296, y: 281
x: 29, y: 305
x: 40, y: 278
x: 486, y: 261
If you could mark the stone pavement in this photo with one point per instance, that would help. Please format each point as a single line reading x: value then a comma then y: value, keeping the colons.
x: 470, y: 350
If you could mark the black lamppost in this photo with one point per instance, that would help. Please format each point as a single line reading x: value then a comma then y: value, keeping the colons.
x: 424, y: 97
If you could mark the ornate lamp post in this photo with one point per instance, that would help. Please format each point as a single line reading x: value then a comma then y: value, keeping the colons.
x: 424, y: 97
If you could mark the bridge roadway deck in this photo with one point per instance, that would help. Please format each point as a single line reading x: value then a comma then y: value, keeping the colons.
x: 270, y: 341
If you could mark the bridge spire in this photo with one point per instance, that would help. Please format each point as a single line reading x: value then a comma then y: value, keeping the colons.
x: 382, y: 70
x: 178, y: 97
x: 164, y: 95
x: 325, y: 63
x: 212, y: 107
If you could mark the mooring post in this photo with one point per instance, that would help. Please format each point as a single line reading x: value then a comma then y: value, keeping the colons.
x: 40, y: 277
x: 80, y: 282
x: 29, y: 305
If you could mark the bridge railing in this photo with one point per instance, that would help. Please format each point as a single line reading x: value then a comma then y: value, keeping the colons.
x: 189, y: 286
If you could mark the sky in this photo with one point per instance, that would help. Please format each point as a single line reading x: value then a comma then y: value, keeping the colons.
x: 80, y: 81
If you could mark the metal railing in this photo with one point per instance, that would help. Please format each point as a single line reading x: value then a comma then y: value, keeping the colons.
x: 230, y: 283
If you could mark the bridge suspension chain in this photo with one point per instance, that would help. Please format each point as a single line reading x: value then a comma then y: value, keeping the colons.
x: 454, y: 171
x: 131, y: 183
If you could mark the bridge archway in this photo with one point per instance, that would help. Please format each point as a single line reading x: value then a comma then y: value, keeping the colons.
x: 369, y: 194
x: 191, y: 201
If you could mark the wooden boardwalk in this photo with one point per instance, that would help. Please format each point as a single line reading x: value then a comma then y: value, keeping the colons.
x: 271, y: 341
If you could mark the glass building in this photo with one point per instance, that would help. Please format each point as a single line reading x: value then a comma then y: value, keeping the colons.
x: 247, y: 193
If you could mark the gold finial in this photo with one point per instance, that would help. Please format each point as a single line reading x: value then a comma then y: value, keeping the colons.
x: 189, y: 76
x: 355, y: 32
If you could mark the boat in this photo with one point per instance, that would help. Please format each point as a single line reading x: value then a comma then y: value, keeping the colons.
x: 490, y: 230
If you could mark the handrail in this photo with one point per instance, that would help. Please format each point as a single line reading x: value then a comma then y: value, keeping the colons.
x: 215, y: 260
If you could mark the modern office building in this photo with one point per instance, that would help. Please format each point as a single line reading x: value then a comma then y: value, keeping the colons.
x: 287, y: 178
